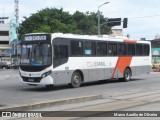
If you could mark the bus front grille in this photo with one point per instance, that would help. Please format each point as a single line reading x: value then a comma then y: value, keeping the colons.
x: 29, y: 79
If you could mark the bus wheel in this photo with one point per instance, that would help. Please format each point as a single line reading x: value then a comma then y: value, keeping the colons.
x: 3, y: 67
x: 76, y: 80
x: 127, y: 75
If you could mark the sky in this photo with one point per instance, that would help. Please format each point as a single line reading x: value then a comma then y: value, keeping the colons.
x: 143, y: 15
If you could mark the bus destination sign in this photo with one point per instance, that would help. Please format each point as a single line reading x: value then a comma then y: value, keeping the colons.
x: 35, y: 38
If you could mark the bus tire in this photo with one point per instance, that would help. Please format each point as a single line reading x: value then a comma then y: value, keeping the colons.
x: 127, y: 75
x: 76, y: 80
x: 3, y: 67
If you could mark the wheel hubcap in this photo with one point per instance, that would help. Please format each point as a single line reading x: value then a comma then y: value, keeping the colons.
x: 76, y: 80
x: 127, y: 75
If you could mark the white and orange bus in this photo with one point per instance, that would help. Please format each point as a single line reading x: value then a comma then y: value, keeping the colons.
x: 52, y: 59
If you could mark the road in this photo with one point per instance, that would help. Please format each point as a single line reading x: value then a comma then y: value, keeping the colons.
x: 12, y: 92
x: 140, y: 94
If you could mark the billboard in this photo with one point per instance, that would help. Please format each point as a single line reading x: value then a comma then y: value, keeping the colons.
x: 155, y: 51
x: 156, y: 54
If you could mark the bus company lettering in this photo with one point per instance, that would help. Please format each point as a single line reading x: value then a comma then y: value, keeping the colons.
x: 95, y: 64
x: 34, y: 38
x: 99, y: 64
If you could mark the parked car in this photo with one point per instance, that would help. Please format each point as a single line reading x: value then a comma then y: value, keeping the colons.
x: 4, y: 65
x: 14, y: 65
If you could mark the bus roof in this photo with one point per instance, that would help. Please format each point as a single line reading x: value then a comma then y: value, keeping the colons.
x: 91, y: 37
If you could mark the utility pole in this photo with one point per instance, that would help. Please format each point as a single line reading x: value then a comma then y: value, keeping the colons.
x: 99, y: 23
x: 17, y: 24
x: 17, y: 10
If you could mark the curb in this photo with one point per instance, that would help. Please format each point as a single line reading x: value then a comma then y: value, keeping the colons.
x: 155, y: 73
x: 49, y: 103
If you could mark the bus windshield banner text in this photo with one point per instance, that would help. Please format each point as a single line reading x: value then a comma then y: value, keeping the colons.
x: 35, y: 38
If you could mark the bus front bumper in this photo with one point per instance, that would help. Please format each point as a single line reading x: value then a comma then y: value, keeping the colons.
x: 48, y: 80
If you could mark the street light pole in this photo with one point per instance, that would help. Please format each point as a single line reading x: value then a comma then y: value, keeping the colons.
x: 99, y: 30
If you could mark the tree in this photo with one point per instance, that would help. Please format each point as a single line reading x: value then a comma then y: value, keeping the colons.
x: 56, y: 20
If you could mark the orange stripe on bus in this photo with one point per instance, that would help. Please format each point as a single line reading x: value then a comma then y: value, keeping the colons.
x: 130, y: 41
x: 121, y: 65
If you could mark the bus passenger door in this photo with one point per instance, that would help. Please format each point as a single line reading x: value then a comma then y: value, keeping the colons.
x: 60, y: 59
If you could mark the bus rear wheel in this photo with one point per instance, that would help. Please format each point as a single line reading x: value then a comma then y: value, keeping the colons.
x: 127, y: 75
x: 76, y: 80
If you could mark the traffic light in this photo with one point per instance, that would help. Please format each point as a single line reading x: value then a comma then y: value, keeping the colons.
x: 113, y: 22
x: 125, y: 22
x: 4, y: 17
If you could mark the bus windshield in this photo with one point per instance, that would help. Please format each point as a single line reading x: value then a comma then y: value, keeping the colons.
x: 36, y: 54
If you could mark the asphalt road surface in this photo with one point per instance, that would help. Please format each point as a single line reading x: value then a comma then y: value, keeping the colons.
x: 12, y: 92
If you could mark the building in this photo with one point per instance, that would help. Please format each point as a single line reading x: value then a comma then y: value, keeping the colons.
x: 117, y: 32
x: 14, y: 41
x: 156, y: 51
x: 5, y: 48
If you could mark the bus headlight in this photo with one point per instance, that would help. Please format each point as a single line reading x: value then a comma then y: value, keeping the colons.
x: 46, y: 74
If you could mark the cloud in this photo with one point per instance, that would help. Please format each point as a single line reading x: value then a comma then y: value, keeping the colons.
x: 144, y: 27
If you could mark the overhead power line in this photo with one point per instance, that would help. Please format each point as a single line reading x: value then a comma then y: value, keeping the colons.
x: 145, y: 17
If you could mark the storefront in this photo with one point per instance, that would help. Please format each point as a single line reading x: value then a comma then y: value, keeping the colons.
x: 155, y: 53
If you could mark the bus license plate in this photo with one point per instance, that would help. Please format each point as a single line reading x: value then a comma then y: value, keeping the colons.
x: 31, y: 80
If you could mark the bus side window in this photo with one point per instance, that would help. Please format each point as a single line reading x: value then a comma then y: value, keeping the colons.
x: 131, y: 49
x: 112, y: 49
x: 89, y: 48
x: 60, y: 51
x: 64, y: 52
x: 101, y: 48
x: 55, y: 51
x: 138, y: 49
x: 76, y: 48
x: 121, y: 49
x: 146, y: 50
